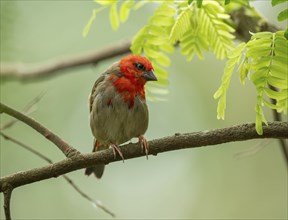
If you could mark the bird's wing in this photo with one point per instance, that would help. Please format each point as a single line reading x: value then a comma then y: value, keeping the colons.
x: 93, y: 92
x: 113, y: 69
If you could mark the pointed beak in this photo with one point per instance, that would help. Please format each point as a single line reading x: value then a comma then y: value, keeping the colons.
x: 149, y: 76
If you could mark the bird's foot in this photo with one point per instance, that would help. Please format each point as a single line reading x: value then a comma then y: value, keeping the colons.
x: 144, y: 145
x: 115, y: 149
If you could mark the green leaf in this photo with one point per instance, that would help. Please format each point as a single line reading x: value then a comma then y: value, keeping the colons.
x: 259, y: 42
x: 281, y: 49
x: 258, y: 125
x: 156, y: 30
x: 282, y: 105
x: 139, y: 41
x: 162, y: 21
x: 220, y: 94
x: 264, y: 34
x: 167, y: 47
x: 151, y: 51
x: 286, y: 34
x: 243, y: 70
x: 221, y: 107
x: 255, y: 64
x: 258, y: 51
x: 266, y: 60
x: 105, y: 2
x: 153, y: 39
x: 199, y: 3
x: 160, y: 72
x: 283, y: 15
x: 90, y: 22
x: 227, y: 2
x: 159, y: 91
x: 114, y: 20
x: 259, y: 119
x: 279, y: 71
x: 215, y: 29
x: 278, y: 95
x: 269, y: 69
x: 259, y: 77
x: 181, y: 25
x: 156, y: 40
x: 125, y: 10
x: 270, y: 105
x: 278, y: 82
x: 207, y: 29
x: 139, y: 4
x: 280, y: 61
x: 165, y: 9
x: 191, y: 43
x: 276, y: 2
x: 189, y: 2
x: 163, y: 59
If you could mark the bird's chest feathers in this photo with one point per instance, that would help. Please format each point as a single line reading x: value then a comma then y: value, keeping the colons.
x: 129, y: 89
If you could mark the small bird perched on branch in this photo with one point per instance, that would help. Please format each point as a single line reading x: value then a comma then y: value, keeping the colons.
x: 118, y: 109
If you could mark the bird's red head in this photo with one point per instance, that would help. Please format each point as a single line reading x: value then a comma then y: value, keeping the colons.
x: 135, y: 72
x: 138, y: 68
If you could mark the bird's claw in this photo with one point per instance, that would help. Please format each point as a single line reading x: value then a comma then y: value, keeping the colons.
x: 115, y: 149
x: 144, y: 145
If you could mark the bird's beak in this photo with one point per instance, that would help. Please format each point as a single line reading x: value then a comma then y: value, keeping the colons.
x: 149, y: 76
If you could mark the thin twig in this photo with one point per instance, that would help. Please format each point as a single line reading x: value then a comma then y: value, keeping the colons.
x: 50, y: 68
x: 28, y: 109
x: 7, y: 196
x: 25, y: 146
x: 253, y: 150
x: 94, y: 203
x: 278, y: 130
x: 68, y: 150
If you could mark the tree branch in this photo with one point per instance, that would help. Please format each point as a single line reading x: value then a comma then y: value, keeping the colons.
x: 28, y: 109
x: 176, y: 142
x: 243, y: 21
x: 7, y: 196
x: 69, y: 181
x: 53, y: 67
x: 94, y: 203
x: 61, y: 144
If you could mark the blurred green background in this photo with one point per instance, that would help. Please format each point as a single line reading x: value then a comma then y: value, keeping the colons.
x: 203, y: 183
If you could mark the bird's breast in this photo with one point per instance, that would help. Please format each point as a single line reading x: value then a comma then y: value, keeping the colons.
x: 118, y: 117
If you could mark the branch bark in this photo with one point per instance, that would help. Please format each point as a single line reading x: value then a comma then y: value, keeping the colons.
x: 245, y: 23
x: 53, y: 67
x: 7, y: 196
x: 242, y: 132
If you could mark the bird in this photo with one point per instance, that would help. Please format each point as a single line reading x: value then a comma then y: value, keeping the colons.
x: 118, y: 109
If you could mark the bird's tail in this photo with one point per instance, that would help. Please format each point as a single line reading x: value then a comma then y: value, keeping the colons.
x: 98, y: 170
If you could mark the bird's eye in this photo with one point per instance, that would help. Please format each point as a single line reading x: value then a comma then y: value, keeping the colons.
x: 140, y: 66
